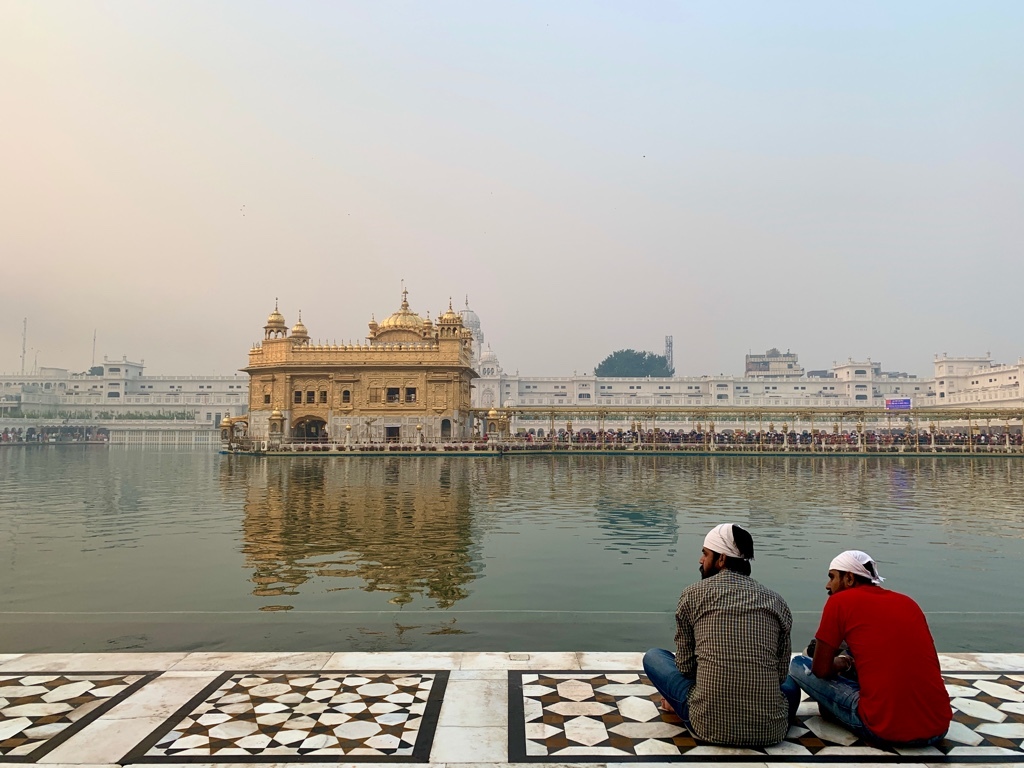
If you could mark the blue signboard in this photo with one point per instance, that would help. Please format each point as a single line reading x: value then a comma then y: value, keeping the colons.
x: 897, y: 404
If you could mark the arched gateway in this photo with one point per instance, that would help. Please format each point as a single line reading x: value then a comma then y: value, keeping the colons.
x: 310, y: 428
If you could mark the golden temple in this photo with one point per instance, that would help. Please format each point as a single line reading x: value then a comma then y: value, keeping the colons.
x: 410, y: 379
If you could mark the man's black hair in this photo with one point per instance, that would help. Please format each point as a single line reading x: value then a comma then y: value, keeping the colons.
x: 745, y: 544
x: 864, y: 579
x: 858, y: 579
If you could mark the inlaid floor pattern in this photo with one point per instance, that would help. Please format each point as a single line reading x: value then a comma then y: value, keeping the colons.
x: 608, y: 716
x: 379, y: 717
x: 39, y: 711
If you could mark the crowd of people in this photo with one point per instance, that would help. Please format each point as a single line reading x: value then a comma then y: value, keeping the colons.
x: 823, y: 439
x: 41, y: 435
x: 872, y: 666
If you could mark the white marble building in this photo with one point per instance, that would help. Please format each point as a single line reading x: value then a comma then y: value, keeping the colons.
x: 120, y: 390
x: 956, y: 382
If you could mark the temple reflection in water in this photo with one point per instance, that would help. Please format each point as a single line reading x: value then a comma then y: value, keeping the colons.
x: 400, y: 526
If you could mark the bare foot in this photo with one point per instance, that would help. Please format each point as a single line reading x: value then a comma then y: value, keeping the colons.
x: 665, y: 706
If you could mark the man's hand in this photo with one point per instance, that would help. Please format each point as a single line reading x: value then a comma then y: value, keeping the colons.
x: 842, y: 663
x: 824, y: 663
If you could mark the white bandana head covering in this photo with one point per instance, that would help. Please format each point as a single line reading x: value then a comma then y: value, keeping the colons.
x: 855, y: 561
x: 720, y: 539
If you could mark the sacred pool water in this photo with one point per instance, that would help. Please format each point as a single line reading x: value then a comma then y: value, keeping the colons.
x: 142, y: 549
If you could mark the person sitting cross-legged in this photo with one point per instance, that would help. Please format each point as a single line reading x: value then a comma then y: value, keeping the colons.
x: 728, y: 679
x: 898, y: 697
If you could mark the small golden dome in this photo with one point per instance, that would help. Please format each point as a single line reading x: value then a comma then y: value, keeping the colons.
x: 492, y: 414
x: 299, y: 329
x: 276, y: 319
x: 450, y: 316
x: 276, y: 414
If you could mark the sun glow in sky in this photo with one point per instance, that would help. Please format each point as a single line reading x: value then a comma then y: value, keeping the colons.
x: 836, y: 179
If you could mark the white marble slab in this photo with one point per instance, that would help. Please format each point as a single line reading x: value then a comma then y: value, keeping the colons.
x: 1004, y: 662
x: 1002, y: 730
x: 960, y: 662
x: 384, y: 661
x: 475, y: 703
x: 162, y: 697
x: 979, y: 710
x: 714, y: 751
x: 91, y: 662
x: 827, y: 731
x: 455, y: 744
x: 999, y: 690
x: 531, y: 661
x: 478, y: 674
x: 103, y: 741
x: 201, y: 661
x: 961, y: 734
x: 616, y: 661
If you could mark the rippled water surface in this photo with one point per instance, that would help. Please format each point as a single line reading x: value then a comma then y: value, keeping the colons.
x: 148, y: 549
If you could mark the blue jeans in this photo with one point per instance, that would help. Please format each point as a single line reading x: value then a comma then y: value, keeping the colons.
x: 661, y: 670
x: 838, y: 698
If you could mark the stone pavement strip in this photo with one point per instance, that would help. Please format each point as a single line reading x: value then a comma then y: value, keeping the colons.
x: 471, y: 710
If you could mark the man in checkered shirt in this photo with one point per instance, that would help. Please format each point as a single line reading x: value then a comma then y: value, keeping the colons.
x: 728, y: 679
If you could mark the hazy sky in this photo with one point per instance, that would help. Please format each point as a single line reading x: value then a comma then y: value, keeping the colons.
x: 840, y: 179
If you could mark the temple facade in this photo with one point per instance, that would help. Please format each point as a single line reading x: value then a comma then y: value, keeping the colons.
x: 410, y: 381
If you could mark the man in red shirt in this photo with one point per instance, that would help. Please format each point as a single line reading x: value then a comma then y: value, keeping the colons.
x: 898, y: 697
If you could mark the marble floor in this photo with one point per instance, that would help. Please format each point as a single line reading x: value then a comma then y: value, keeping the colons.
x: 379, y: 715
x: 614, y: 716
x: 484, y: 709
x: 39, y: 711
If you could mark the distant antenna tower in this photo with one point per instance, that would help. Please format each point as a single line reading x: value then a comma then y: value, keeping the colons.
x: 668, y: 351
x: 94, y: 347
x: 24, y: 335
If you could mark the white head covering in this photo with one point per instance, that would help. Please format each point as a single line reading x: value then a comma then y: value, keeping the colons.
x: 720, y: 539
x: 855, y: 561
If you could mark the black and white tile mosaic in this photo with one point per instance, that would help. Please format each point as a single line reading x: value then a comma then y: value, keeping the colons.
x: 614, y: 716
x: 314, y: 716
x: 39, y: 711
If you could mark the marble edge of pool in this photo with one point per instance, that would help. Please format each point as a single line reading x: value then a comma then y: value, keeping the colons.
x: 201, y: 661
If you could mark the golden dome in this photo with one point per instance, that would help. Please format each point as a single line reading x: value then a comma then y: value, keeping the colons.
x: 492, y: 414
x: 450, y: 316
x: 299, y: 329
x: 276, y: 319
x: 404, y: 319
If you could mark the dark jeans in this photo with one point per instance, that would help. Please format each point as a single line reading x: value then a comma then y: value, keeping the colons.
x: 661, y: 670
x: 838, y: 698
